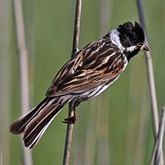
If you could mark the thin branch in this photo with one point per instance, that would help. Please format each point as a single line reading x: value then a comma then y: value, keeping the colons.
x: 150, y: 74
x: 157, y: 152
x: 160, y: 138
x: 23, y: 64
x: 76, y: 34
x: 71, y: 109
x: 151, y: 80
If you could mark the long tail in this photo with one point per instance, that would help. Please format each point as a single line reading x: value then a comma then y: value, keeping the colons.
x: 34, y: 124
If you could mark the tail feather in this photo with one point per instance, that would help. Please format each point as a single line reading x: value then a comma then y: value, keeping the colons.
x: 38, y: 125
x: 18, y: 126
x: 30, y: 142
x: 34, y: 124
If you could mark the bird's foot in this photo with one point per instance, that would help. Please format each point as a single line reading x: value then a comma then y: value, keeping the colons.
x: 70, y: 120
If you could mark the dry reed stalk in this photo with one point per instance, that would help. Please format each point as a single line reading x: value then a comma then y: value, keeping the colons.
x: 151, y: 80
x: 23, y: 68
x: 69, y: 131
x: 157, y: 151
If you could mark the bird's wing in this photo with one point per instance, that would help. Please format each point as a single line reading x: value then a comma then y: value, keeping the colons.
x: 98, y: 63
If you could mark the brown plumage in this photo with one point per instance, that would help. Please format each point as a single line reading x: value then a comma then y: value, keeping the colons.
x: 86, y: 75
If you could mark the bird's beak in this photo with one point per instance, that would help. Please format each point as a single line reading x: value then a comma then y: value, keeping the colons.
x: 145, y: 47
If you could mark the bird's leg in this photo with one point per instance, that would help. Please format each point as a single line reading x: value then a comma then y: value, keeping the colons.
x: 71, y: 119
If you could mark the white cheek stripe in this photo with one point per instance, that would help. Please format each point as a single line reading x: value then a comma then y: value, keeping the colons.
x: 114, y: 36
x: 131, y: 48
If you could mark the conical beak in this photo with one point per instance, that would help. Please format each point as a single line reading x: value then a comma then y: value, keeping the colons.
x: 145, y: 47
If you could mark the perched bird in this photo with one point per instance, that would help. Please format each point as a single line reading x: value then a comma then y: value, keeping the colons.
x: 93, y: 69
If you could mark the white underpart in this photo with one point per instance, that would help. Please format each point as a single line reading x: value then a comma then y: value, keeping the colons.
x: 104, y: 87
x: 114, y: 36
x: 95, y: 92
x: 125, y: 62
x: 100, y: 89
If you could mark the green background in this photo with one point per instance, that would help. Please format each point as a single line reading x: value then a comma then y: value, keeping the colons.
x: 113, y: 128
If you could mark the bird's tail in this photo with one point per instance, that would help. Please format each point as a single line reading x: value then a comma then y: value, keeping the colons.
x: 34, y: 124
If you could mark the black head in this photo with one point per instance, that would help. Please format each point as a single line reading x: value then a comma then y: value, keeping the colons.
x: 132, y: 38
x: 130, y: 34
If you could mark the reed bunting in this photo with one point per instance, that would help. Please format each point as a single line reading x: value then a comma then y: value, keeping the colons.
x: 93, y: 69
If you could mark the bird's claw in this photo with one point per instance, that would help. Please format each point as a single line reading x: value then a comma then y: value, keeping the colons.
x: 70, y: 120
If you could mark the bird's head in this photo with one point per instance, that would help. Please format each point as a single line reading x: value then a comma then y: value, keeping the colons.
x: 130, y: 38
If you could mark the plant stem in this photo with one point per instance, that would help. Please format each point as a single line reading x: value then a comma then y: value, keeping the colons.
x: 151, y: 80
x: 150, y: 74
x: 157, y: 151
x: 23, y: 68
x: 76, y: 36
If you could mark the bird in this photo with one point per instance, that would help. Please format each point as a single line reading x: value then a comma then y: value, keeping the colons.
x: 87, y: 74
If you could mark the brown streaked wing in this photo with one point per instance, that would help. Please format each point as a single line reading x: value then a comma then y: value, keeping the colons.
x: 94, y: 65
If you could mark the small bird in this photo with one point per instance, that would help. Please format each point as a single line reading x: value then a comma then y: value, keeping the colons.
x: 93, y: 69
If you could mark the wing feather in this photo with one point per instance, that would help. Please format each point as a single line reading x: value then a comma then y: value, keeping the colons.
x: 98, y: 63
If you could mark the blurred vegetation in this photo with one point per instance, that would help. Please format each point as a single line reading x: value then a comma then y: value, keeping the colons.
x: 114, y: 128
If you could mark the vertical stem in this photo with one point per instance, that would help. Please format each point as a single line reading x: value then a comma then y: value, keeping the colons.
x: 71, y: 109
x: 76, y: 34
x: 157, y: 150
x: 150, y: 74
x: 23, y: 64
x: 160, y: 136
x: 151, y: 80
